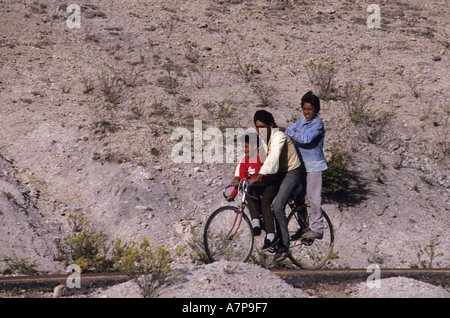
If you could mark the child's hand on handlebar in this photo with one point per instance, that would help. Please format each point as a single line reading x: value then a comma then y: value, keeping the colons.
x: 235, y: 182
x: 255, y: 179
x: 229, y: 198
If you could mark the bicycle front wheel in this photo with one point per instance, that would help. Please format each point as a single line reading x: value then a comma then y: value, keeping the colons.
x: 228, y: 235
x: 310, y: 254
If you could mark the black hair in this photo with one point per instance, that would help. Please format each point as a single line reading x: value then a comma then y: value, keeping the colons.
x: 265, y: 117
x: 312, y: 99
x: 250, y: 138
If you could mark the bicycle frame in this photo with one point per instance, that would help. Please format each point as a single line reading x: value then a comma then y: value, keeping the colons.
x: 298, y: 217
x: 243, y: 185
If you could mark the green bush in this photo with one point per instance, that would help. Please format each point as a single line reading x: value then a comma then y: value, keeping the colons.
x: 20, y: 266
x: 197, y: 247
x: 337, y: 166
x: 85, y: 248
x: 94, y: 253
x: 154, y: 152
x: 148, y: 268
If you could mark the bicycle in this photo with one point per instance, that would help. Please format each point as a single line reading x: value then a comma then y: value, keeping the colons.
x: 228, y: 234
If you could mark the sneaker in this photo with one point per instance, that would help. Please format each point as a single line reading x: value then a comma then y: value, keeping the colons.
x: 312, y: 235
x: 268, y: 244
x: 281, y: 256
x: 256, y: 231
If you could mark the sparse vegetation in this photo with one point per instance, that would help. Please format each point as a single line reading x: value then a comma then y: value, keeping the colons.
x: 91, y: 251
x: 264, y: 93
x: 337, y: 166
x: 170, y: 24
x: 246, y: 70
x: 104, y: 126
x: 376, y: 257
x: 170, y: 82
x: 199, y: 74
x: 430, y: 251
x: 192, y: 54
x: 370, y: 123
x: 321, y: 77
x: 110, y: 87
x: 443, y: 134
x: 334, y: 255
x: 399, y: 163
x: 153, y: 47
x: 138, y: 110
x: 88, y: 83
x: 146, y: 266
x: 222, y: 112
x: 84, y: 247
x: 129, y: 74
x: 355, y: 101
x: 378, y: 171
x: 197, y: 248
x: 159, y: 109
x: 16, y: 265
x: 154, y: 152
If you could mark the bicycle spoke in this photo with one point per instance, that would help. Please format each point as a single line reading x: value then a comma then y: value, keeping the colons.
x: 227, y: 236
x: 310, y: 254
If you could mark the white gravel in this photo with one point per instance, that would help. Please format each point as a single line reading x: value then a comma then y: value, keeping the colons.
x: 217, y: 280
x: 240, y: 280
x: 400, y: 287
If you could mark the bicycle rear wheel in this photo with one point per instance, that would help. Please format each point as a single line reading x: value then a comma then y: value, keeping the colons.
x: 228, y: 235
x: 310, y: 254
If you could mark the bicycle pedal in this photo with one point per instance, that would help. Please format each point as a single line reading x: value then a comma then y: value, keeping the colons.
x: 307, y: 242
x: 297, y: 236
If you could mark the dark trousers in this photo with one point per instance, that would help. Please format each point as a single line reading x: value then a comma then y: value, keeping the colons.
x: 289, y: 182
x: 266, y: 190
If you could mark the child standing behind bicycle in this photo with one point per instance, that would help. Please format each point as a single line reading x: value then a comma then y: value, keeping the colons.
x: 309, y: 134
x: 266, y: 189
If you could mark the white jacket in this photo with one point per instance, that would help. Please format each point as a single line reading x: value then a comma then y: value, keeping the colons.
x: 281, y: 155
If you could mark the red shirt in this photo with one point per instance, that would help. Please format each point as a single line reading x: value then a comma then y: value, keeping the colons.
x: 249, y: 167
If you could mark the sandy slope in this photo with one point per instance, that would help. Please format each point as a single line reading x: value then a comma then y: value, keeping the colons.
x: 72, y: 150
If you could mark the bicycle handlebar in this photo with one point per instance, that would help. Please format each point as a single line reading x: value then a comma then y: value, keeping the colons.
x: 225, y: 189
x: 245, y: 184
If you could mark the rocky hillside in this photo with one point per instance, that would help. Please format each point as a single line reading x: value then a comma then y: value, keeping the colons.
x: 87, y: 117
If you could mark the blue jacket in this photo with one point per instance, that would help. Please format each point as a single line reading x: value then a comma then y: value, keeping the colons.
x: 309, y: 138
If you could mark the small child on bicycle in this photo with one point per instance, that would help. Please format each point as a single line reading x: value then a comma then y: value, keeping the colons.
x: 309, y: 134
x: 266, y: 189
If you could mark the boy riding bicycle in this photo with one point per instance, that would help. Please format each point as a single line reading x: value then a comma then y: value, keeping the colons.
x: 266, y: 189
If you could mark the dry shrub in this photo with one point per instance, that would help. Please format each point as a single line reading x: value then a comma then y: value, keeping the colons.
x: 321, y: 77
x: 371, y: 124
